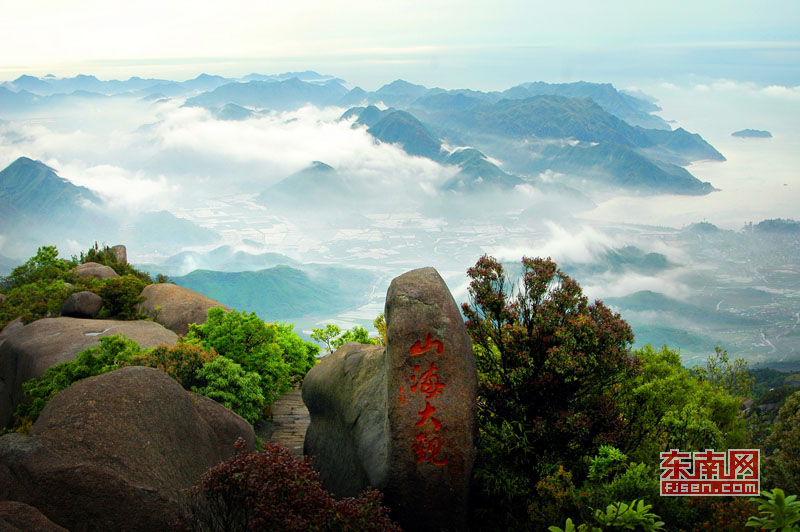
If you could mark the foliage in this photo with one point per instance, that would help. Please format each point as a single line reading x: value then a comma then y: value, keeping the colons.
x: 607, y: 464
x: 665, y: 407
x: 326, y: 336
x: 380, y: 325
x: 777, y: 512
x: 633, y: 516
x: 356, y: 334
x: 181, y: 362
x: 273, y: 491
x: 112, y: 353
x: 44, y: 266
x: 227, y: 383
x: 783, y: 467
x: 300, y: 355
x: 121, y: 297
x: 732, y: 377
x: 245, y: 339
x: 720, y: 514
x: 37, y: 287
x: 549, y: 366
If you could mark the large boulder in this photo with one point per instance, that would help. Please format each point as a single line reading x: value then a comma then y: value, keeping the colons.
x: 82, y: 305
x: 117, y: 451
x: 401, y: 419
x: 346, y: 397
x: 175, y: 307
x: 17, y: 516
x: 98, y: 271
x: 10, y: 327
x: 28, y: 351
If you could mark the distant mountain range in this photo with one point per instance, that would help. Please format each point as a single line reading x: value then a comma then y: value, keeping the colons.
x: 37, y: 204
x: 591, y: 134
x: 285, y: 292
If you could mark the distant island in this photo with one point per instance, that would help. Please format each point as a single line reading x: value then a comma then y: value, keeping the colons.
x: 752, y: 133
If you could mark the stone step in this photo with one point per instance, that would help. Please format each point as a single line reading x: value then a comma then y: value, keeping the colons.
x: 290, y: 420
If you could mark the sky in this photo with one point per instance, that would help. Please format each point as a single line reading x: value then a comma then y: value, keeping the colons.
x: 445, y: 43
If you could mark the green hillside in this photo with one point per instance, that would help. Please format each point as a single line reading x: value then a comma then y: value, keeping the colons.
x: 34, y: 188
x: 403, y: 128
x: 283, y: 292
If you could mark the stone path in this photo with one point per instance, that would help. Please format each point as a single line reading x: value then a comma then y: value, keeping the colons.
x: 290, y: 420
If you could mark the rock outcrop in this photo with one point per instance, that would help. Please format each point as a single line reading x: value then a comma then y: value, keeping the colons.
x: 346, y: 397
x: 82, y: 305
x: 175, y: 307
x: 116, y: 451
x: 120, y: 254
x: 93, y: 269
x: 28, y: 351
x: 20, y: 517
x: 401, y: 419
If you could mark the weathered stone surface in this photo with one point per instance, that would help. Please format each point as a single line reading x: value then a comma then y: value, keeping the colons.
x: 120, y: 253
x: 82, y: 305
x: 346, y: 397
x: 175, y: 307
x: 24, y: 518
x: 27, y: 352
x: 12, y: 326
x: 98, y: 271
x: 403, y: 418
x: 432, y: 389
x: 116, y: 451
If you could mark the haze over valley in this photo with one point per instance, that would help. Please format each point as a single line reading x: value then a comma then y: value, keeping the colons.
x: 300, y: 195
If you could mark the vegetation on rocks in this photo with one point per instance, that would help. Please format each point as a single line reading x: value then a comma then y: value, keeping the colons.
x: 271, y: 490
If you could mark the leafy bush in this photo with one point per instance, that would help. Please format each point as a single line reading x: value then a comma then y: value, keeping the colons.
x: 113, y: 352
x: 230, y: 385
x: 356, y: 334
x: 121, y: 297
x: 181, y: 362
x: 778, y: 512
x: 273, y: 491
x: 37, y: 287
x: 783, y: 467
x: 248, y: 341
x: 549, y: 366
x: 633, y: 516
x: 300, y: 355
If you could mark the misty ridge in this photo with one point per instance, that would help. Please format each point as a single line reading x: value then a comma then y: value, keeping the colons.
x: 300, y: 198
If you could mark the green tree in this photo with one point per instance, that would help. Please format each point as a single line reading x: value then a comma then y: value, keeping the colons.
x: 380, y: 325
x: 300, y: 355
x: 248, y: 341
x: 122, y: 296
x: 44, y: 266
x: 783, y: 467
x: 731, y: 376
x: 356, y: 334
x: 778, y: 512
x: 230, y: 385
x: 326, y: 336
x: 666, y: 407
x: 549, y: 368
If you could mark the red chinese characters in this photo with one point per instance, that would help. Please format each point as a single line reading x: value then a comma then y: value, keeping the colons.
x: 429, y: 384
x: 710, y: 473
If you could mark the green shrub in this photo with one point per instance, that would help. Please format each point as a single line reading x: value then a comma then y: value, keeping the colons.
x: 778, y: 512
x: 273, y: 491
x: 112, y: 353
x: 299, y: 354
x: 181, y: 362
x: 248, y: 341
x: 230, y: 385
x: 121, y: 297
